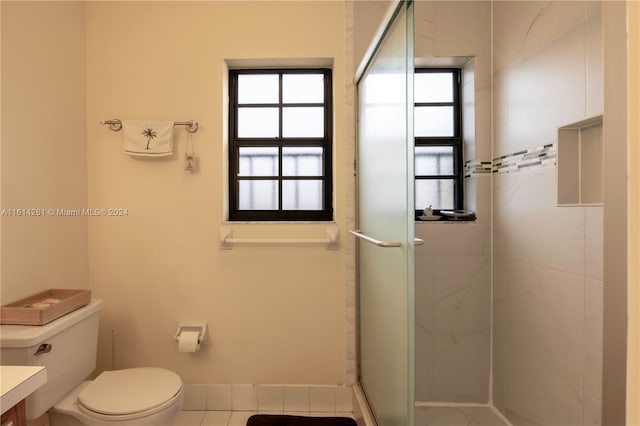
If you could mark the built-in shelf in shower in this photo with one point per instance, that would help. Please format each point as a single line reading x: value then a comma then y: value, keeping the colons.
x: 580, y: 169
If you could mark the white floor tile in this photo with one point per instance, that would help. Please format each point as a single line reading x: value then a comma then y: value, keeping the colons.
x: 270, y: 412
x: 239, y: 418
x: 216, y: 418
x: 189, y: 418
x: 296, y: 413
x: 322, y: 414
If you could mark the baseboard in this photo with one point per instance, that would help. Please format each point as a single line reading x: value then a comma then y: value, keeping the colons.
x: 268, y: 397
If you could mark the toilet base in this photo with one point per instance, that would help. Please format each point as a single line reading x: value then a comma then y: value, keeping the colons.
x: 67, y: 413
x: 59, y: 419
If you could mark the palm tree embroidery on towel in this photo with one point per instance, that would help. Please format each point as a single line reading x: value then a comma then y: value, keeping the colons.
x: 149, y: 134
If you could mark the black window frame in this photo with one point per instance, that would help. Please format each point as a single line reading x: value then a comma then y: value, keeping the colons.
x: 455, y: 141
x: 326, y: 142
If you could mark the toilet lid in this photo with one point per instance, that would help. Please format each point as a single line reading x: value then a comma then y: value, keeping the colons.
x: 130, y: 391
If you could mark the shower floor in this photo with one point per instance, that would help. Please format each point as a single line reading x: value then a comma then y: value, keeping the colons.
x: 457, y: 416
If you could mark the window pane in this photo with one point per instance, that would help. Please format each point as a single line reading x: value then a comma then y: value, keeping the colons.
x: 257, y: 88
x: 258, y: 161
x: 257, y: 122
x: 302, y: 195
x: 303, y: 122
x: 302, y: 88
x: 258, y: 195
x: 433, y: 87
x: 437, y: 193
x: 434, y: 160
x: 302, y: 161
x: 433, y: 121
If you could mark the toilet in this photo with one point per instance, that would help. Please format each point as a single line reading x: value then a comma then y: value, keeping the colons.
x: 67, y: 347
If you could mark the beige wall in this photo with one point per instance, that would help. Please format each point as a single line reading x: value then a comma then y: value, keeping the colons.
x: 633, y: 111
x: 367, y: 18
x: 43, y: 146
x: 276, y: 313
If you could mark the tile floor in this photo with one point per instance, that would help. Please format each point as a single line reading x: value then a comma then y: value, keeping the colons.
x: 237, y: 418
x: 424, y: 416
x: 457, y: 416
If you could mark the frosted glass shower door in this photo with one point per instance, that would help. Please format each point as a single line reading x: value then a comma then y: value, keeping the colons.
x: 385, y: 222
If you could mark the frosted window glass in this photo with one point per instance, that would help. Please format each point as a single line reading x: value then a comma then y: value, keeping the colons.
x: 434, y: 160
x: 258, y: 161
x: 257, y: 88
x: 437, y: 193
x: 433, y: 121
x: 257, y: 122
x: 302, y: 161
x: 433, y: 87
x: 303, y: 88
x: 303, y: 122
x: 302, y: 195
x: 258, y: 195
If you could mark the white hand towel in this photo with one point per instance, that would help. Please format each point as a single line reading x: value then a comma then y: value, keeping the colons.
x: 148, y: 138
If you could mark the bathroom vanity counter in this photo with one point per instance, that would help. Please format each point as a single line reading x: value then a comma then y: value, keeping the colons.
x: 16, y: 383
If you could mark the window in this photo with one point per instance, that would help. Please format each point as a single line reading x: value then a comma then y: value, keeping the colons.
x: 439, y: 170
x: 280, y: 145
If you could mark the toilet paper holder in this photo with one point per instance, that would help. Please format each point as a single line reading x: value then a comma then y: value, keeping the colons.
x: 200, y: 327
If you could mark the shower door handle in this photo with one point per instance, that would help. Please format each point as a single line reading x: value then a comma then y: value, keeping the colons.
x: 385, y: 244
x: 357, y: 233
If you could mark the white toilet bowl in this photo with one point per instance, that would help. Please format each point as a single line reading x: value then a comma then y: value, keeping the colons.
x: 136, y: 396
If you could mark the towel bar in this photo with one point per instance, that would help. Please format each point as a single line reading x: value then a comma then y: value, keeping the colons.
x: 115, y: 124
x: 227, y: 241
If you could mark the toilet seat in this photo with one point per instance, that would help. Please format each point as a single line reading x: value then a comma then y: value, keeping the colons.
x: 130, y: 394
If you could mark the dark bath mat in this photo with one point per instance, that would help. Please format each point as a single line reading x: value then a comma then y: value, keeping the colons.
x: 284, y: 420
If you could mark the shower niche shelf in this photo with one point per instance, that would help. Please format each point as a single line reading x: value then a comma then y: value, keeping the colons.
x: 580, y: 165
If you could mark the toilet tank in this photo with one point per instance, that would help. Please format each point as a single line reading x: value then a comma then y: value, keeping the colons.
x: 73, y: 340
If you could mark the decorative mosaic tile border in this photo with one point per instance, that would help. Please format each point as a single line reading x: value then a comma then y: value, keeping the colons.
x: 475, y: 167
x: 542, y: 156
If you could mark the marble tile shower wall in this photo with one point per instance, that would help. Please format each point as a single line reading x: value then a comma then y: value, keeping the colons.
x: 547, y: 296
x: 453, y: 268
x: 453, y: 306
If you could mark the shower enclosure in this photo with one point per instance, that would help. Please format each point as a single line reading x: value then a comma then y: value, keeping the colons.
x: 385, y: 221
x: 504, y: 315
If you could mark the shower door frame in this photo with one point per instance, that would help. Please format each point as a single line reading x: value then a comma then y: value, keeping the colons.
x: 396, y: 8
